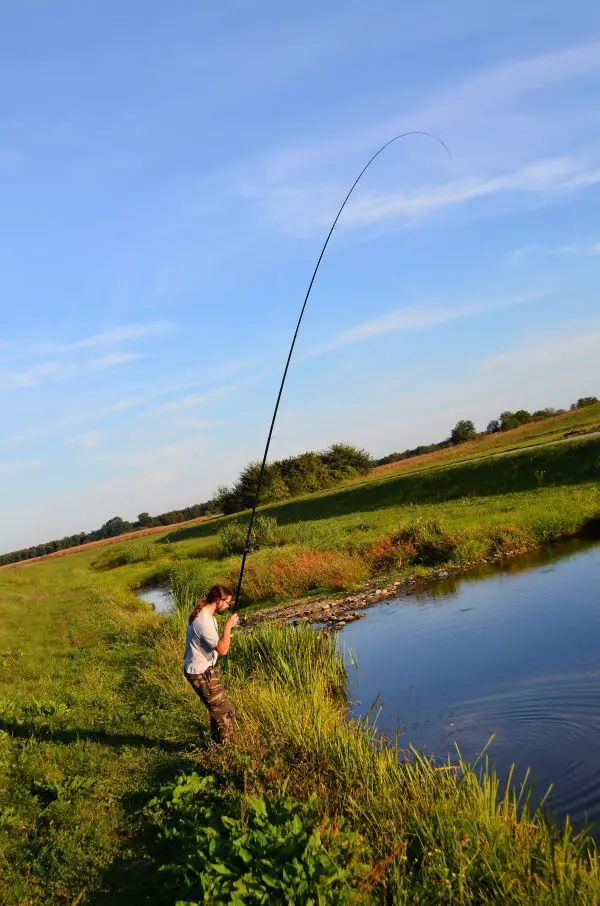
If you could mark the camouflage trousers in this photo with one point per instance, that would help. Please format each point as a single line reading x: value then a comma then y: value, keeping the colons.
x: 209, y: 688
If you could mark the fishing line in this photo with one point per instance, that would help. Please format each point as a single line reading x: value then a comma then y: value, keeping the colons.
x: 247, y: 545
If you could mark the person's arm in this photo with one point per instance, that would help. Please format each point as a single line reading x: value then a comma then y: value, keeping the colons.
x: 222, y: 646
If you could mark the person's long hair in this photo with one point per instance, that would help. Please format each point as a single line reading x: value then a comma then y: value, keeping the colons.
x: 216, y: 593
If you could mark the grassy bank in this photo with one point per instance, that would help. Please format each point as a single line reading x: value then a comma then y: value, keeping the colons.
x: 108, y: 793
x: 547, y: 431
x: 444, y: 518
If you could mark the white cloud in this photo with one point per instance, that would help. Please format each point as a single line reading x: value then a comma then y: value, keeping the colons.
x: 8, y: 468
x: 541, y: 177
x: 547, y: 351
x: 421, y: 316
x: 537, y: 250
x: 187, y: 402
x: 515, y: 80
x: 544, y: 179
x: 88, y: 441
x: 121, y: 334
x: 17, y: 380
x: 116, y: 358
x: 191, y: 401
x: 507, y: 125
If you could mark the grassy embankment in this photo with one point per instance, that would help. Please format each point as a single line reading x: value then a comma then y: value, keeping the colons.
x: 393, y: 526
x: 549, y: 430
x: 96, y: 719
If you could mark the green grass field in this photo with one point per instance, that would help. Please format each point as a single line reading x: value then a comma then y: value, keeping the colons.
x: 97, y: 723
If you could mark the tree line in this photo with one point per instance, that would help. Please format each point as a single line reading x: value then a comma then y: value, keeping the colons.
x: 291, y: 477
x: 111, y: 529
x: 465, y: 430
x: 283, y: 478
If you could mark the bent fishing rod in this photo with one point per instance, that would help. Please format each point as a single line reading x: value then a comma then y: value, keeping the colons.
x: 248, y: 542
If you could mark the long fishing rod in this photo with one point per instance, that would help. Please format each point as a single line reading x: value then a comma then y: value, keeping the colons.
x: 247, y: 545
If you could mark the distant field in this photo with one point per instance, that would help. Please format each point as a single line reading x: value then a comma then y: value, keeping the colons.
x: 395, y: 523
x: 547, y: 431
x: 128, y: 536
x: 551, y: 430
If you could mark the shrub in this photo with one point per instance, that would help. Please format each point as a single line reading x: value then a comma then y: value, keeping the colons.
x: 507, y: 539
x: 232, y: 537
x: 422, y: 543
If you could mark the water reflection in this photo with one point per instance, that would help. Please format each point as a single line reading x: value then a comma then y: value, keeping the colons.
x: 512, y: 652
x: 158, y: 596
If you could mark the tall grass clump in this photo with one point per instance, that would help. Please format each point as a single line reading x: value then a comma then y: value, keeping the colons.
x: 425, y: 542
x: 123, y: 555
x: 440, y: 833
x: 265, y: 533
x: 297, y: 571
x: 294, y: 658
x: 319, y: 536
x: 188, y: 582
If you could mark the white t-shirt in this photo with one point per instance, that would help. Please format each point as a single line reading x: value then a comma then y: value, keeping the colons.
x: 200, y: 640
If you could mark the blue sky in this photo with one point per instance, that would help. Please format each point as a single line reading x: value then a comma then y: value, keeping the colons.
x: 168, y: 173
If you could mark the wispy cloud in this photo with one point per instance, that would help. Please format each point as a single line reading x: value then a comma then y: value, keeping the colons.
x: 88, y: 441
x: 419, y: 317
x: 515, y: 79
x: 116, y: 358
x: 8, y: 468
x: 122, y: 334
x: 193, y: 400
x: 546, y: 351
x: 534, y: 250
x: 506, y: 124
x: 544, y: 179
x: 187, y: 402
x: 544, y: 176
x: 17, y: 380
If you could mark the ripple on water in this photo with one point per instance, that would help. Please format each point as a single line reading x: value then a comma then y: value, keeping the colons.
x: 551, y: 724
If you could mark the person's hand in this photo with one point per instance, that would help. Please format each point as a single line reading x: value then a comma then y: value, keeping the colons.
x: 233, y: 619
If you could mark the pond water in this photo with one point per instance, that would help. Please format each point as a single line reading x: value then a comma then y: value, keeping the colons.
x: 515, y: 652
x: 158, y: 596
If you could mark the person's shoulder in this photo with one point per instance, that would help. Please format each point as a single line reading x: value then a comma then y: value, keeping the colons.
x: 203, y: 618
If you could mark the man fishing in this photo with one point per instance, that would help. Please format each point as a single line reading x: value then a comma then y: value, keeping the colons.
x: 203, y: 645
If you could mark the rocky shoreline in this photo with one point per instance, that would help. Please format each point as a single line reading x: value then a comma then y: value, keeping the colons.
x: 334, y: 612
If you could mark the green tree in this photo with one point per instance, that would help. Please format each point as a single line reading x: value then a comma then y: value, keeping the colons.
x: 523, y: 416
x: 463, y: 430
x: 508, y: 421
x: 145, y: 520
x: 493, y: 426
x: 344, y: 460
x: 115, y: 526
x: 305, y: 473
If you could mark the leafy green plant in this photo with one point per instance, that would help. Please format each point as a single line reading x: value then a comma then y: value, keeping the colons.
x: 222, y: 848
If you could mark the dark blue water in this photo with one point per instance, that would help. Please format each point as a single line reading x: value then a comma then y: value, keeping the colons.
x: 515, y: 653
